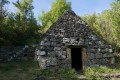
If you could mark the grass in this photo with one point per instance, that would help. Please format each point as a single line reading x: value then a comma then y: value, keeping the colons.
x: 25, y: 70
x: 90, y: 72
x: 29, y: 70
x: 62, y: 74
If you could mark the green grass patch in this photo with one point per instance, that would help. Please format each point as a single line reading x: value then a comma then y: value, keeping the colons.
x: 59, y: 73
x: 90, y: 72
x: 29, y: 70
x: 24, y: 70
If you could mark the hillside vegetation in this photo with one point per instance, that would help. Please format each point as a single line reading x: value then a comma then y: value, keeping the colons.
x: 21, y: 27
x: 107, y: 24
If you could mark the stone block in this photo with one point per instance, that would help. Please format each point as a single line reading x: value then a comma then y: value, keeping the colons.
x: 41, y: 53
x: 99, y: 55
x: 66, y: 40
x: 42, y: 65
x: 47, y: 64
x: 97, y: 61
x: 50, y: 62
x: 92, y: 50
x: 107, y: 55
x: 42, y: 43
x: 110, y: 50
x: 90, y: 55
x: 63, y: 56
x: 89, y: 62
x: 26, y: 46
x: 33, y: 45
x: 23, y: 49
x: 42, y: 60
x: 57, y: 48
x: 53, y: 61
x: 59, y: 53
x: 98, y: 49
x: 53, y: 40
x: 112, y: 60
x: 106, y: 50
x: 52, y: 54
x: 104, y: 61
x: 47, y: 43
x: 81, y: 41
x: 102, y: 46
x: 90, y: 43
x: 73, y: 41
x: 45, y: 39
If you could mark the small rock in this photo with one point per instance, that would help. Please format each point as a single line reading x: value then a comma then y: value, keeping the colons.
x: 40, y: 78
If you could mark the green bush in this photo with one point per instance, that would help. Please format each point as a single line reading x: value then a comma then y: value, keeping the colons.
x: 92, y: 72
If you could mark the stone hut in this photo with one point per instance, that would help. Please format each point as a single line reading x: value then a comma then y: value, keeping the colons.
x: 72, y: 43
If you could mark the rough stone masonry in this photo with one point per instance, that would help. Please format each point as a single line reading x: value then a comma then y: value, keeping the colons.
x: 71, y: 31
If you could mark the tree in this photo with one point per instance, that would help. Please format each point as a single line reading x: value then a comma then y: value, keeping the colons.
x: 24, y: 13
x: 18, y: 28
x: 95, y: 23
x: 107, y: 24
x: 3, y: 25
x: 24, y: 24
x: 25, y: 8
x: 116, y: 14
x: 3, y: 12
x: 58, y: 7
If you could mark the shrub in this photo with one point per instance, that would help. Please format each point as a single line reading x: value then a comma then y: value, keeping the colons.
x: 92, y: 72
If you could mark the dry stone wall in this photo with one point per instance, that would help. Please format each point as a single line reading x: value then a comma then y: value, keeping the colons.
x: 71, y: 30
x: 17, y: 53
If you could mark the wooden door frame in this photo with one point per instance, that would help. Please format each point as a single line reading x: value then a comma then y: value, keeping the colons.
x: 84, y: 55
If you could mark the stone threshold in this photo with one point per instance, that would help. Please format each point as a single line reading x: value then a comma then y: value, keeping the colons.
x: 82, y: 77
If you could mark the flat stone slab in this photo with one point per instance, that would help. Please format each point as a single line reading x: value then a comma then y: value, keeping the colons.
x: 82, y: 77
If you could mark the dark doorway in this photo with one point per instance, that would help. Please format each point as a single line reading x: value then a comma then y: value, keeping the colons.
x: 76, y: 57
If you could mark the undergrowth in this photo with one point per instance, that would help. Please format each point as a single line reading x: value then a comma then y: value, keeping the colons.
x: 29, y: 70
x: 92, y: 72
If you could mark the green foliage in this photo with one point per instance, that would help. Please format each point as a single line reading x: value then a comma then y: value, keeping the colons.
x: 29, y: 70
x: 20, y: 28
x: 25, y: 8
x: 107, y: 24
x: 14, y: 70
x: 92, y: 72
x: 58, y: 7
x: 3, y: 12
x: 59, y: 73
x: 4, y: 29
x: 3, y: 2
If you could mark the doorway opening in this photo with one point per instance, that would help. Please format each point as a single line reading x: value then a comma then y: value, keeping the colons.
x: 76, y: 59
